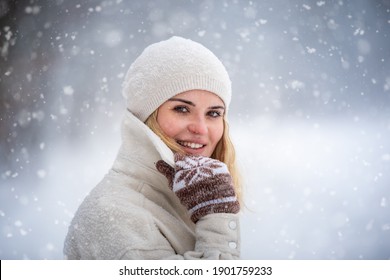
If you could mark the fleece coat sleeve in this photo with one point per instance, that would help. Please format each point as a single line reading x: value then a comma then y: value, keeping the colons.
x: 211, y: 242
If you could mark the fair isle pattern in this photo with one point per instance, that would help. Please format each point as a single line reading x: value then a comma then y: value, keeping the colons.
x: 213, y: 202
x: 203, y: 185
x: 193, y: 169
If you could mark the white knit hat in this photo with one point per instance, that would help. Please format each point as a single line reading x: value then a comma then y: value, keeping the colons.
x: 170, y: 67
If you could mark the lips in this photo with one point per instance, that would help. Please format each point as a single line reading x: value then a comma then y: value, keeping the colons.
x: 191, y: 145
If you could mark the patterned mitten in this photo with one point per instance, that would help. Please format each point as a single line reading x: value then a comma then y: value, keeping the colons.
x: 202, y: 184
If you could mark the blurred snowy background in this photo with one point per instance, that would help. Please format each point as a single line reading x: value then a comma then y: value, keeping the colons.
x: 310, y: 115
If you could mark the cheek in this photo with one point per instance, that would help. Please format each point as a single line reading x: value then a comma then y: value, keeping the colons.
x: 169, y: 129
x: 168, y: 125
x: 217, y: 133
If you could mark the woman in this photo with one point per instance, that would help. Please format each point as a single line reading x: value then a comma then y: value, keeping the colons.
x: 173, y: 191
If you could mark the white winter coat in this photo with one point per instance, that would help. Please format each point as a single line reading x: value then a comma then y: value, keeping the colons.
x: 133, y: 214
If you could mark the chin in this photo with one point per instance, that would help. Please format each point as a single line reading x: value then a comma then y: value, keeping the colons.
x: 197, y: 153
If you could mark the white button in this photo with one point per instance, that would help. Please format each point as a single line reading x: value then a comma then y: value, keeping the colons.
x: 232, y: 245
x: 232, y: 225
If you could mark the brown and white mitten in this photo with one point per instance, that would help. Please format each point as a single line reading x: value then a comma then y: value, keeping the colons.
x: 202, y: 184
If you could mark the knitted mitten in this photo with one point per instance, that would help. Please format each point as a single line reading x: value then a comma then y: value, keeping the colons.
x: 202, y: 184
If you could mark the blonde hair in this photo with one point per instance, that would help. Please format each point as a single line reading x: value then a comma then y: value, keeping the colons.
x: 223, y: 152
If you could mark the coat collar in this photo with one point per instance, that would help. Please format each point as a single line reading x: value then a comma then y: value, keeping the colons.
x: 154, y: 142
x: 140, y: 150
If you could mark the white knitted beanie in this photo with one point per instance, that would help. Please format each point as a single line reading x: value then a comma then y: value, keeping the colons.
x: 170, y: 67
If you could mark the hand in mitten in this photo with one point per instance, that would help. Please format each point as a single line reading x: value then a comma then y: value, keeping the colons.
x: 202, y: 184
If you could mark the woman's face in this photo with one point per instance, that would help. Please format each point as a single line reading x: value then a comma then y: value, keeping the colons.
x: 194, y: 119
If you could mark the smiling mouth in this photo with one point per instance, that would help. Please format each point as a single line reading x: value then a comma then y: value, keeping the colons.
x: 190, y: 144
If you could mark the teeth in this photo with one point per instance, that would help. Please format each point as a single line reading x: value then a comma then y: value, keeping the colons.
x: 190, y: 145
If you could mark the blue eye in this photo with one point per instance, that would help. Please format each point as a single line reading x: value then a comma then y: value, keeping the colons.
x: 214, y: 114
x: 181, y: 109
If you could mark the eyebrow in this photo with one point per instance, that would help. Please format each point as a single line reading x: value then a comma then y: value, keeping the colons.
x: 193, y: 104
x: 182, y: 100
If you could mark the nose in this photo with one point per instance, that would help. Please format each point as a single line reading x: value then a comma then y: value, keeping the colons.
x: 198, y: 126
